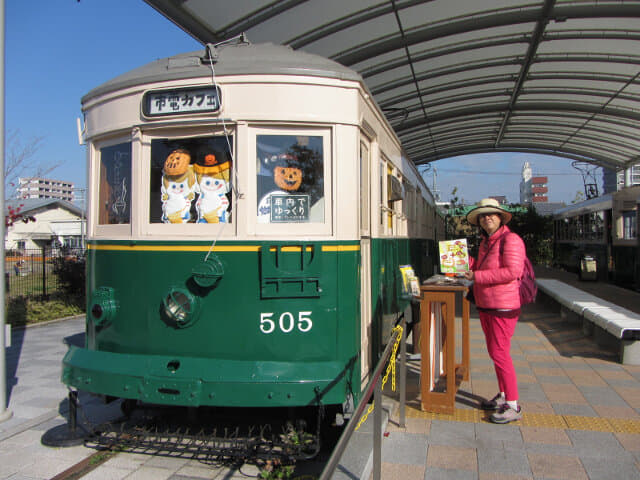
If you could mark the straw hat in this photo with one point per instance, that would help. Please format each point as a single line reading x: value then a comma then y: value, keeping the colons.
x: 488, y: 205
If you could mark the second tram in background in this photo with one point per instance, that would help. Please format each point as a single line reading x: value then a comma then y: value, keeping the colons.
x: 249, y: 210
x: 604, y: 229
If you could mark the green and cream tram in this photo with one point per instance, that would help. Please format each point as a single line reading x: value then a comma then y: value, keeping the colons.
x: 249, y: 209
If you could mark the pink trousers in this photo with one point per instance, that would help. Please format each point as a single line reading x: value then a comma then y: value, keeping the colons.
x: 498, y: 332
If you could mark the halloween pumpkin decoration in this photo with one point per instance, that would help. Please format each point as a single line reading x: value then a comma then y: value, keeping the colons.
x: 177, y: 162
x: 288, y: 178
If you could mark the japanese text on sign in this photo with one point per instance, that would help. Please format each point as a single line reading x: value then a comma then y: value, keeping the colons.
x: 289, y: 208
x: 191, y: 100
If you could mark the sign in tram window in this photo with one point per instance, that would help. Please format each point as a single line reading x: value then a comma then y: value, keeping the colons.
x: 289, y: 208
x: 191, y: 180
x: 115, y: 184
x: 290, y: 179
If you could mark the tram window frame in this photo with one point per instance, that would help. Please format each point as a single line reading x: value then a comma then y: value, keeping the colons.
x: 382, y: 188
x: 295, y: 228
x: 193, y: 228
x: 97, y: 221
x: 391, y: 214
x: 365, y: 187
x: 629, y: 226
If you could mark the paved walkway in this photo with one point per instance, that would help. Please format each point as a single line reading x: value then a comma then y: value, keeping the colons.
x: 581, y: 415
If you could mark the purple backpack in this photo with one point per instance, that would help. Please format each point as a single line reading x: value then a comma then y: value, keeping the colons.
x: 528, y: 287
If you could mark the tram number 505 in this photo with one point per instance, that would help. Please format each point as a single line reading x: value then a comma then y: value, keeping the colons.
x: 287, y: 322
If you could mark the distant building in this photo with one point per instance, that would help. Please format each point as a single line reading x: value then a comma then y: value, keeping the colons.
x: 35, y: 187
x: 501, y: 199
x: 539, y: 189
x: 525, y: 184
x: 613, y: 181
x: 58, y: 223
x: 532, y: 189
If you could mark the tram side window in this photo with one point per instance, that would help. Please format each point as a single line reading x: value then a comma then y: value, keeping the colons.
x: 563, y: 229
x: 290, y: 179
x: 115, y: 184
x: 191, y: 180
x: 597, y: 225
x: 629, y: 226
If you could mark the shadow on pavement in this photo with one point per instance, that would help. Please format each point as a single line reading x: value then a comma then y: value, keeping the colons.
x: 12, y: 355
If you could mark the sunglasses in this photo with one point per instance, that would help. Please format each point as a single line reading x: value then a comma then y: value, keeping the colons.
x: 483, y: 215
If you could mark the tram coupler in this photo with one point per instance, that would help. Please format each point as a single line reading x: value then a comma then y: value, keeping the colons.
x: 69, y: 434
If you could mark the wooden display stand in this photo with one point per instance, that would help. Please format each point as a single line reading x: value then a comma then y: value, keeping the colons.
x: 437, y: 344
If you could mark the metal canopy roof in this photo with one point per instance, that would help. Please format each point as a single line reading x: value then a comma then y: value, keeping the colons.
x: 455, y: 77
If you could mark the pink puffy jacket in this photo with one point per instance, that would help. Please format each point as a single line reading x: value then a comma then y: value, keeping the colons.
x: 497, y: 271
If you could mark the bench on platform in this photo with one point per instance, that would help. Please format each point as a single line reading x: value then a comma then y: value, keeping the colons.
x: 608, y: 322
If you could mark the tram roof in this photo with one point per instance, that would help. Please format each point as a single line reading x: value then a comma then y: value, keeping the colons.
x: 559, y: 77
x: 603, y: 202
x: 233, y: 59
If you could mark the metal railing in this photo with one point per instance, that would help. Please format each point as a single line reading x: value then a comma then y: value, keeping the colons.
x: 30, y: 273
x: 374, y: 387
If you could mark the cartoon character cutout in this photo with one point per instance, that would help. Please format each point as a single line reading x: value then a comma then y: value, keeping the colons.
x: 212, y: 173
x: 287, y: 178
x: 178, y: 188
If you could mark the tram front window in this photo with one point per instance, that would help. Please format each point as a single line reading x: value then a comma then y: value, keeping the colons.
x: 115, y: 184
x: 191, y: 180
x: 290, y: 179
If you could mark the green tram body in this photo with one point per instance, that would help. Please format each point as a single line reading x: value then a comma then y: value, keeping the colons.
x: 284, y: 318
x: 223, y: 358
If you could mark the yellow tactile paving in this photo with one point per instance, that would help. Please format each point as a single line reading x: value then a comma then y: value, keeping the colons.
x: 595, y: 424
x: 459, y: 415
x: 564, y: 422
x: 466, y: 415
x: 625, y: 425
x: 542, y: 420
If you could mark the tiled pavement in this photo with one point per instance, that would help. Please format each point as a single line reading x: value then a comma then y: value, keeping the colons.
x: 581, y: 415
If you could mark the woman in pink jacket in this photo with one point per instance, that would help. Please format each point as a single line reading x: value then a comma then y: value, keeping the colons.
x: 496, y: 284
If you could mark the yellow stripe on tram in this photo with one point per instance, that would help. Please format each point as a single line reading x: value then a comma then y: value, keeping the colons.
x: 340, y: 248
x: 177, y: 248
x: 217, y: 248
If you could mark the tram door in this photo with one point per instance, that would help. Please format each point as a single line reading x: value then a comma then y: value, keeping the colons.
x: 365, y: 256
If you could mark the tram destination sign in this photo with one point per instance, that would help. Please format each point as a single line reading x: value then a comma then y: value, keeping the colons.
x: 177, y: 101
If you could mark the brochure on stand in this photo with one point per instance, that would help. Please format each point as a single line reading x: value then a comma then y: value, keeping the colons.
x: 454, y: 256
x: 410, y: 283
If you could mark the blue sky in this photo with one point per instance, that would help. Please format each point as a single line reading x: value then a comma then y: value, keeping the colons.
x: 58, y: 50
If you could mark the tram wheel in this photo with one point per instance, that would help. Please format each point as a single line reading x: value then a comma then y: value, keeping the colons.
x: 128, y: 406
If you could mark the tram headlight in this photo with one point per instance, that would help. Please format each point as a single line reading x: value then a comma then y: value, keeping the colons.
x: 181, y: 306
x: 103, y: 306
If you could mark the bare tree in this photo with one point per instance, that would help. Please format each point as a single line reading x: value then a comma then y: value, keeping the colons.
x: 20, y: 162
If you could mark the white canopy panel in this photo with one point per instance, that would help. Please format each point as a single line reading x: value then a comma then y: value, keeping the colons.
x: 454, y: 77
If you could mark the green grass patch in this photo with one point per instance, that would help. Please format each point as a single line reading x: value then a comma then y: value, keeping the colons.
x: 22, y: 311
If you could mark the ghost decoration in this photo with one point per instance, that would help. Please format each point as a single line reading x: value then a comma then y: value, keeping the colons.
x: 178, y: 187
x: 212, y: 174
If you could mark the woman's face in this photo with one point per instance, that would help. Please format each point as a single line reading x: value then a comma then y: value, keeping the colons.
x: 490, y: 222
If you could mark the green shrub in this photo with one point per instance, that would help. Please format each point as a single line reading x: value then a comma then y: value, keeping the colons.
x: 71, y: 274
x: 22, y: 311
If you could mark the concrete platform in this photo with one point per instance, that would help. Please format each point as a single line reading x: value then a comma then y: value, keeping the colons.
x: 581, y: 415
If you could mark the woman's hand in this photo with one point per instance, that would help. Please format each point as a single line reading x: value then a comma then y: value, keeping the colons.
x: 468, y: 275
